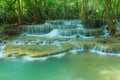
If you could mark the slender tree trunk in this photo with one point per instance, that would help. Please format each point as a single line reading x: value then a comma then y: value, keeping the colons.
x: 40, y: 10
x: 47, y: 9
x: 85, y: 9
x: 19, y: 13
x: 35, y: 11
x: 110, y: 17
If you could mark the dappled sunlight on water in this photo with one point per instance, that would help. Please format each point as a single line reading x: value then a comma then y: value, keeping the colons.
x: 110, y: 74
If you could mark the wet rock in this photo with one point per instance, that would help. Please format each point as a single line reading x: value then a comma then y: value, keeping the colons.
x: 0, y: 41
x: 11, y: 32
x: 87, y: 47
x: 88, y: 23
x: 77, y: 36
x: 117, y: 34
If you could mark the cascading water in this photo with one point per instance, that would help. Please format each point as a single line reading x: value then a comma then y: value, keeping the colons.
x: 99, y: 50
x: 70, y: 38
x: 103, y: 50
x: 36, y: 29
x: 118, y: 26
x: 58, y: 28
x: 105, y: 32
x: 53, y: 33
x: 61, y: 29
x: 28, y: 58
x: 1, y: 52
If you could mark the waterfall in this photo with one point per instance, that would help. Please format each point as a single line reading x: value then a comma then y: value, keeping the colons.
x: 36, y: 29
x: 81, y: 32
x: 80, y: 26
x: 104, y: 50
x: 63, y: 22
x: 99, y: 50
x: 105, y: 32
x: 118, y: 26
x: 64, y: 26
x: 56, y: 28
x: 1, y: 53
x: 53, y: 33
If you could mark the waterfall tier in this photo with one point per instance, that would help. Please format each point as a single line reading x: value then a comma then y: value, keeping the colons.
x: 58, y: 28
x: 64, y: 22
x: 85, y: 32
x: 45, y: 50
x: 59, y: 36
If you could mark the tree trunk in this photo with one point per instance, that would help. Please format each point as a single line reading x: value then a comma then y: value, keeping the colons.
x: 19, y: 13
x: 85, y: 9
x: 110, y: 17
x: 35, y: 11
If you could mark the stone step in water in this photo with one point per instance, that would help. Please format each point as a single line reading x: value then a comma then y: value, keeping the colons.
x: 46, y: 50
x: 35, y: 29
x: 67, y: 32
x: 46, y: 28
x: 64, y: 22
x: 85, y: 32
x: 93, y: 23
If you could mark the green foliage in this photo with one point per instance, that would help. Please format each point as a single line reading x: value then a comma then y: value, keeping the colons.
x: 34, y: 11
x: 101, y: 41
x: 1, y: 29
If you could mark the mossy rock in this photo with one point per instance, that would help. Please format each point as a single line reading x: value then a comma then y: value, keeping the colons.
x: 35, y: 50
x: 101, y: 41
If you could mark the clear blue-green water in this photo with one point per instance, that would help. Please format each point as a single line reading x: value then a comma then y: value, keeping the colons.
x: 83, y: 66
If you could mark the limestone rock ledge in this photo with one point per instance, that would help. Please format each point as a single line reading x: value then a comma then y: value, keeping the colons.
x: 36, y: 50
x: 47, y: 50
x: 103, y: 45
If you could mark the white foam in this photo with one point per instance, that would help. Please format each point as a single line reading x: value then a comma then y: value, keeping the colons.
x: 112, y: 54
x: 2, y: 55
x: 103, y: 53
x: 98, y: 52
x: 80, y: 26
x: 73, y: 51
x: 44, y: 35
x: 67, y: 23
x: 28, y: 58
x: 59, y: 55
x: 106, y: 33
x: 53, y: 33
